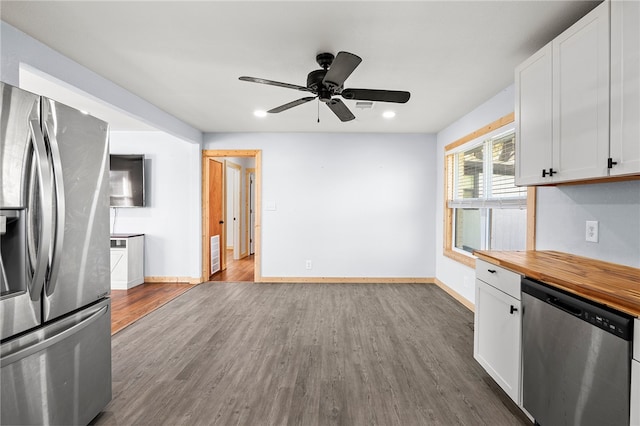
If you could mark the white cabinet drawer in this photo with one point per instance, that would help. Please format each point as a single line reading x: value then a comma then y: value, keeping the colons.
x: 500, y: 278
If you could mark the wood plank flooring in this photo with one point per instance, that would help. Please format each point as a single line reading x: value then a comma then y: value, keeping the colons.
x: 237, y: 270
x: 304, y: 354
x: 128, y: 306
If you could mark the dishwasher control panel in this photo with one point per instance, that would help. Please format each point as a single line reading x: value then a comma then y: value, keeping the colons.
x: 606, y: 324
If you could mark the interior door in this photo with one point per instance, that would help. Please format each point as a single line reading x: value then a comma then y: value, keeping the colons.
x: 216, y: 206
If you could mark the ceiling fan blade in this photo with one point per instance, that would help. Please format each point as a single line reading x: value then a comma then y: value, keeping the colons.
x: 341, y: 68
x: 291, y: 104
x: 274, y: 83
x: 396, y: 96
x: 340, y: 109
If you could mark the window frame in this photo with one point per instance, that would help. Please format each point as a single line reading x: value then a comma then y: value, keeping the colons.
x: 449, y: 216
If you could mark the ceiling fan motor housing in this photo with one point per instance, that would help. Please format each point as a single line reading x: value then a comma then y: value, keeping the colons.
x: 314, y: 82
x: 325, y: 60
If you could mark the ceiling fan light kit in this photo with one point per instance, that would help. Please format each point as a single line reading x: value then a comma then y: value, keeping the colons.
x: 328, y: 82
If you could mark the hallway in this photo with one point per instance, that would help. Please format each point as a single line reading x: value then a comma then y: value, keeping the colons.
x: 237, y: 270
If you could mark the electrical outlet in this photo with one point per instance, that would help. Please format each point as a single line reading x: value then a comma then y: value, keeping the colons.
x: 592, y: 231
x: 308, y: 264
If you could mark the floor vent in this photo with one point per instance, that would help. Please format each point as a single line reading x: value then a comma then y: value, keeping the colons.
x: 215, y: 254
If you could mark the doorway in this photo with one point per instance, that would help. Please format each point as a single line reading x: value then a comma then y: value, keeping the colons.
x: 233, y: 219
x: 214, y: 189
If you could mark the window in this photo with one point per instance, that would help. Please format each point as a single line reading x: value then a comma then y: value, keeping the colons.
x: 484, y: 210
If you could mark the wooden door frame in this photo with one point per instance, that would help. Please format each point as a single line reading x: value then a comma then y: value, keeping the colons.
x: 208, y: 154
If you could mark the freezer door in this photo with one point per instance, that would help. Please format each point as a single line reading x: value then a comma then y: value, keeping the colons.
x: 17, y: 109
x: 59, y: 374
x: 24, y: 228
x: 79, y: 271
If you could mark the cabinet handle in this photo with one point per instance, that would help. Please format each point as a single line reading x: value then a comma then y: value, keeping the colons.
x: 513, y: 309
x: 611, y: 163
x: 550, y: 172
x: 493, y: 271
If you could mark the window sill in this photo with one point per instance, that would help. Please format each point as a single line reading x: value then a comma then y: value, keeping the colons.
x: 469, y: 261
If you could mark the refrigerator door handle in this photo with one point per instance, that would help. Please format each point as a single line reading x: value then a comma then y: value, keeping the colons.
x: 60, y: 210
x: 47, y: 341
x: 46, y: 208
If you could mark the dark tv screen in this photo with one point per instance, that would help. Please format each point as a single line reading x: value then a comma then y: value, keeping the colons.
x: 126, y: 180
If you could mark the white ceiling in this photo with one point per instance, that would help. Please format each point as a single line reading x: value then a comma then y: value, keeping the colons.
x: 186, y: 57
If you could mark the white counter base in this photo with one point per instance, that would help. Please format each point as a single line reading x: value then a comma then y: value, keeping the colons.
x: 127, y: 261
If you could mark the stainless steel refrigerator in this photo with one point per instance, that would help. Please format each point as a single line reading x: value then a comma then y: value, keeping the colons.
x: 55, y: 348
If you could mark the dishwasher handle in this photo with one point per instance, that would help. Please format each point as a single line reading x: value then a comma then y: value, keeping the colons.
x: 567, y: 307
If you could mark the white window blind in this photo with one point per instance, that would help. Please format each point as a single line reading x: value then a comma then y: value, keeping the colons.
x: 484, y: 175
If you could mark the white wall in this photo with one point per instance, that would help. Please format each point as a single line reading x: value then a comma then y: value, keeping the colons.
x: 356, y: 205
x: 562, y: 212
x: 454, y: 274
x: 171, y: 219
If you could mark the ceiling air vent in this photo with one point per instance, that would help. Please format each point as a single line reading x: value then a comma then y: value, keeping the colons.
x: 364, y: 104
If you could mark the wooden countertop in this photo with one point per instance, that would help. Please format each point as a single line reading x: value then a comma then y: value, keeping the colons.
x: 610, y: 284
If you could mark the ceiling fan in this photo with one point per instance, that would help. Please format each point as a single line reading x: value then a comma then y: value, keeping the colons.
x: 328, y: 82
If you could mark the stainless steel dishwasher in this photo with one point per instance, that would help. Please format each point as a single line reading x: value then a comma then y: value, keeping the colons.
x: 576, y: 359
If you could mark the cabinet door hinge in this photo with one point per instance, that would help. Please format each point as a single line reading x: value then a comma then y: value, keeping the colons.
x: 611, y: 163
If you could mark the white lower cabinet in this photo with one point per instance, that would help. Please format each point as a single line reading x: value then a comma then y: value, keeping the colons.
x: 497, y: 337
x: 635, y: 376
x: 127, y: 261
x: 635, y: 393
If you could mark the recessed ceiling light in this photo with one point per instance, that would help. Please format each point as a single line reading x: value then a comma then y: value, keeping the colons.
x: 388, y: 114
x: 260, y: 113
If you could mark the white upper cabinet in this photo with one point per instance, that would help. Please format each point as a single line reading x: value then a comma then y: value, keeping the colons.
x: 534, y: 133
x: 581, y: 98
x: 562, y: 105
x: 625, y: 87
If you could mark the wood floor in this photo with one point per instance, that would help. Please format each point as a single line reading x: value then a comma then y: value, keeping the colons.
x: 304, y: 354
x: 237, y: 270
x: 128, y: 306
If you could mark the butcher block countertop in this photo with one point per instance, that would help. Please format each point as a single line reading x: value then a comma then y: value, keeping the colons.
x: 610, y: 284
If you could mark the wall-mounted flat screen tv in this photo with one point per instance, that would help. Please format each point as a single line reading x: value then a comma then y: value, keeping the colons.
x: 126, y: 181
